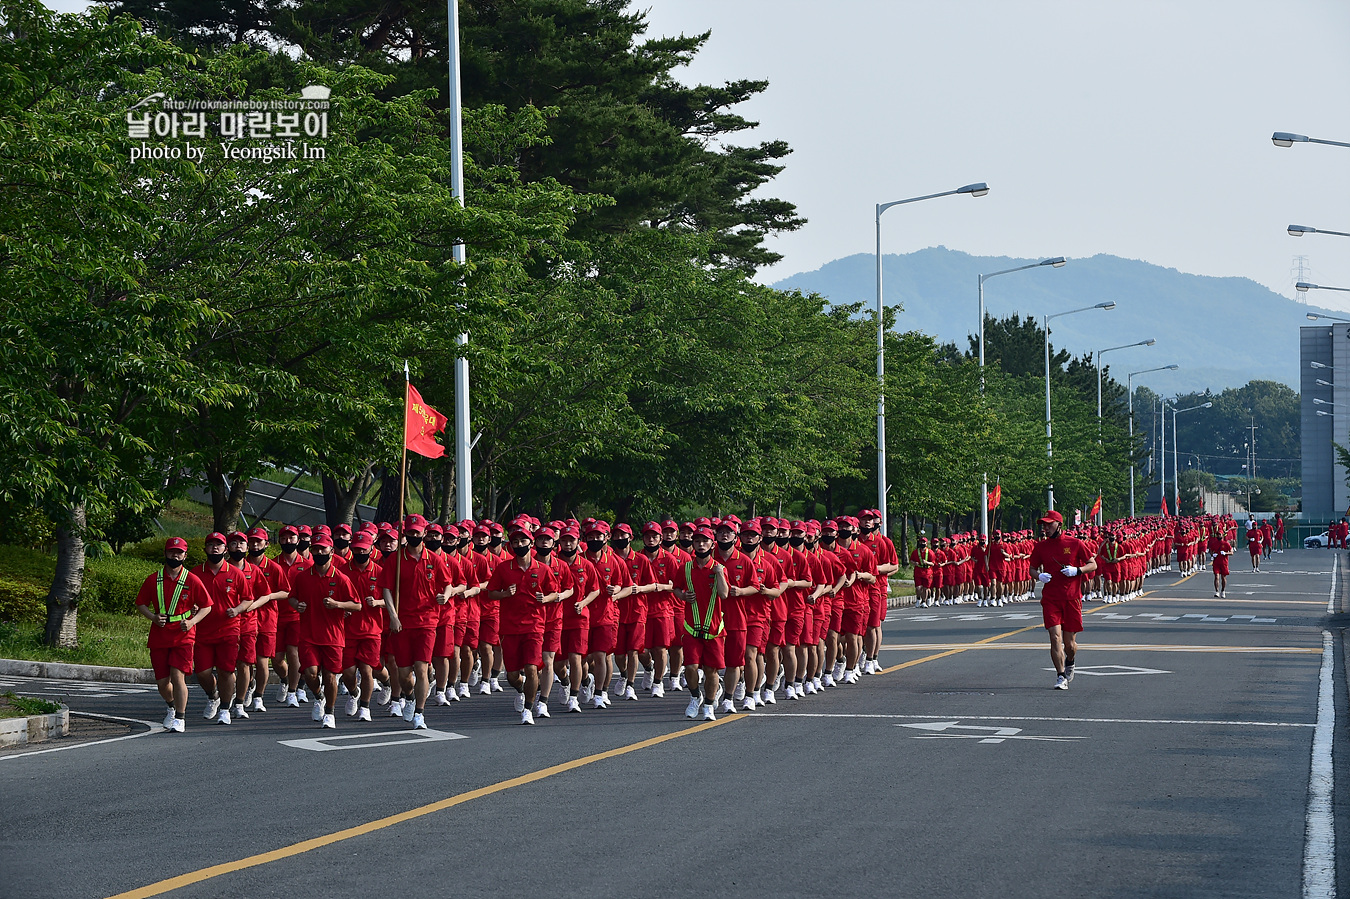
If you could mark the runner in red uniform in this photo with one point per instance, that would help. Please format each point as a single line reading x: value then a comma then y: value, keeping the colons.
x: 545, y: 546
x: 175, y: 601
x: 576, y: 615
x: 216, y: 649
x: 364, y: 630
x: 291, y: 561
x: 616, y: 583
x: 323, y: 596
x: 522, y: 587
x: 423, y: 584
x: 702, y: 586
x: 1062, y: 562
x: 277, y: 590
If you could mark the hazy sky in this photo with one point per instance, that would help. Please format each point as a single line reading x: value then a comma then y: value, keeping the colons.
x: 1136, y: 127
x: 1140, y: 129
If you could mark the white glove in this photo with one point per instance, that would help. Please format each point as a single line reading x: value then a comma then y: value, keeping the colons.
x: 1043, y: 577
x: 1069, y: 571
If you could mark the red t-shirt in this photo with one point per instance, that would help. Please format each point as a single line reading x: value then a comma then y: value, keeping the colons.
x: 563, y: 578
x: 706, y: 609
x: 522, y: 613
x: 633, y: 607
x: 421, y: 579
x: 326, y: 626
x: 663, y: 562
x: 1052, y: 554
x: 585, y: 578
x: 285, y: 613
x: 613, y: 572
x: 740, y: 572
x: 277, y: 581
x: 370, y: 621
x: 228, y: 588
x: 194, y: 597
x: 768, y: 575
x: 858, y: 558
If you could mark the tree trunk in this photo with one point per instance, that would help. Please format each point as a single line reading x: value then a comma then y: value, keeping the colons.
x: 447, y: 510
x: 430, y: 503
x: 227, y: 496
x: 624, y: 506
x: 340, y: 498
x: 902, y: 546
x: 390, y: 500
x: 64, y: 599
x: 560, y: 505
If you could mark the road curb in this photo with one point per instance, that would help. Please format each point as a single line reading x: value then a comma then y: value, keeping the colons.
x: 34, y: 728
x: 64, y: 671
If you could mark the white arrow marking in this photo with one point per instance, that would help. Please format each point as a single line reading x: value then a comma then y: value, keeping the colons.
x: 986, y: 734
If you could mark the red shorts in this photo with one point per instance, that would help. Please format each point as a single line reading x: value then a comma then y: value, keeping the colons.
x: 265, y: 646
x: 997, y: 573
x: 361, y: 651
x: 1221, y: 565
x: 757, y: 635
x: 878, y: 612
x: 632, y: 636
x: 603, y: 638
x: 1067, y: 613
x: 854, y: 621
x: 388, y: 640
x: 922, y: 578
x: 519, y: 650
x: 733, y: 647
x: 820, y: 621
x: 179, y: 657
x: 778, y: 632
x: 326, y: 658
x: 444, y: 647
x: 470, y: 638
x: 837, y: 615
x: 488, y: 632
x: 220, y: 656
x: 574, y: 642
x: 553, y: 638
x: 308, y: 658
x: 414, y: 644
x: 661, y: 632
x: 288, y: 634
x: 248, y: 649
x: 709, y: 653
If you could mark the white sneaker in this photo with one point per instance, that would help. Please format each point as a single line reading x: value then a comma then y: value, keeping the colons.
x: 396, y: 709
x: 177, y: 726
x: 708, y: 714
x: 363, y: 714
x: 690, y: 711
x: 828, y: 680
x: 223, y: 717
x: 838, y: 670
x: 496, y: 685
x: 342, y: 689
x: 169, y: 718
x: 410, y: 713
x: 749, y: 705
x: 463, y: 691
x: 604, y: 699
x: 791, y: 691
x: 452, y: 694
x: 526, y: 717
x: 384, y: 694
x: 598, y: 703
x: 258, y: 704
x: 1224, y: 594
x: 541, y: 710
x: 684, y: 683
x: 810, y: 687
x: 212, y: 709
x: 248, y: 694
x: 476, y: 674
x: 239, y: 711
x: 352, y: 706
x: 658, y: 691
x: 766, y: 696
x: 485, y: 689
x: 573, y: 705
x: 818, y: 684
x: 329, y: 722
x: 520, y: 702
x: 419, y: 722
x: 1216, y: 594
x: 728, y: 707
x: 440, y: 698
x: 1068, y: 673
x: 282, y: 692
x: 630, y: 693
x: 316, y: 710
x: 292, y: 701
x: 739, y: 693
x: 1061, y: 683
x: 588, y: 688
x: 302, y: 695
x: 647, y: 681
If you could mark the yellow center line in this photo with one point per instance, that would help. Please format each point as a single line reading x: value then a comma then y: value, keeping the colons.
x: 182, y: 880
x: 1103, y: 647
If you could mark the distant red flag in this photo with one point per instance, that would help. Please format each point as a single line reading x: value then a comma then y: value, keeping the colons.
x: 995, y: 497
x: 1164, y: 507
x: 1202, y: 502
x: 1096, y: 507
x: 421, y: 424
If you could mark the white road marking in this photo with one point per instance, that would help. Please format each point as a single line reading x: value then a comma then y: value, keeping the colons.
x: 985, y: 735
x: 765, y: 716
x: 1319, y: 832
x: 1113, y: 670
x: 151, y: 727
x: 404, y: 738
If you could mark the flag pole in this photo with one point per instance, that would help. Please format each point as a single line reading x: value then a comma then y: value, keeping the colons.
x: 402, y: 486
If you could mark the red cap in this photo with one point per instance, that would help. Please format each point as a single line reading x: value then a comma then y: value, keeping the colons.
x: 238, y: 535
x: 305, y: 531
x: 323, y: 540
x: 1052, y: 515
x: 387, y: 527
x: 705, y: 532
x: 728, y: 524
x: 570, y: 531
x: 651, y: 527
x: 597, y: 527
x: 482, y: 531
x: 751, y: 527
x: 702, y: 522
x: 259, y: 532
x: 688, y: 526
x: 830, y: 525
x: 623, y: 528
x: 797, y: 526
x: 435, y: 529
x: 414, y: 522
x: 733, y: 518
x: 670, y: 523
x: 175, y: 543
x: 363, y: 540
x: 216, y: 537
x: 452, y: 531
x: 496, y: 527
x: 547, y: 531
x: 324, y: 529
x: 290, y: 530
x: 343, y: 529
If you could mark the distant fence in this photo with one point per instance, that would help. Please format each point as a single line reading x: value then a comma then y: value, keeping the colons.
x: 273, y: 501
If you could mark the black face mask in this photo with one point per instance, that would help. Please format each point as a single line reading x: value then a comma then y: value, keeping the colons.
x: 237, y: 555
x: 290, y: 547
x: 257, y: 552
x: 543, y: 552
x: 342, y: 543
x: 304, y: 546
x: 321, y: 560
x: 796, y: 541
x: 811, y: 544
x: 414, y: 541
x: 213, y: 558
x: 434, y: 545
x: 725, y: 545
x: 686, y: 544
x: 520, y: 551
x: 171, y: 564
x: 595, y: 545
x: 827, y: 540
x: 360, y: 558
x: 620, y: 543
x: 667, y: 543
x: 495, y: 542
x: 704, y: 554
x: 748, y: 545
x: 569, y: 556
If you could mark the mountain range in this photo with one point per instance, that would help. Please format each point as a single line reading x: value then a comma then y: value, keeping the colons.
x: 1222, y: 332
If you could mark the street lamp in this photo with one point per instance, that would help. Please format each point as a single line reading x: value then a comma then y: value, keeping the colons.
x: 1176, y: 472
x: 1130, y: 389
x: 975, y: 190
x: 1049, y: 451
x: 1300, y: 230
x: 1321, y: 364
x: 1304, y: 287
x: 1285, y: 139
x: 1325, y: 383
x: 1126, y: 346
x: 1056, y: 262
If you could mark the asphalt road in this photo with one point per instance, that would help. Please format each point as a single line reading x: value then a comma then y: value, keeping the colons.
x: 1177, y: 764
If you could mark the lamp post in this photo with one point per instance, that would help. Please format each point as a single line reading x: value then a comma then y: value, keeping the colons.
x: 975, y: 190
x: 1049, y: 448
x: 1304, y: 287
x: 1125, y: 346
x: 1285, y: 139
x: 1130, y: 390
x: 1300, y: 230
x: 1056, y: 262
x: 1176, y: 471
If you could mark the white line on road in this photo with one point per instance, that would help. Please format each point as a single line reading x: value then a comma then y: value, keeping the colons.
x: 400, y: 738
x: 768, y: 715
x: 1319, y: 834
x: 1331, y: 594
x: 151, y: 727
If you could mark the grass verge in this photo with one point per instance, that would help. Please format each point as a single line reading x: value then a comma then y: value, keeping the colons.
x: 106, y: 638
x: 12, y: 706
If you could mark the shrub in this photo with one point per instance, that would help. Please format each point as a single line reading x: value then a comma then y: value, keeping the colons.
x: 25, y: 578
x: 111, y: 584
x: 152, y: 550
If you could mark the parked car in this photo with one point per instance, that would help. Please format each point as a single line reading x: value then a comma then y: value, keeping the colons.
x: 1317, y: 541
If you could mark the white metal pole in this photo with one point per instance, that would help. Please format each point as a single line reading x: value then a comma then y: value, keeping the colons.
x: 881, y: 395
x: 1130, y: 391
x: 1162, y: 457
x: 463, y: 461
x: 984, y: 478
x: 1176, y: 468
x: 1049, y: 451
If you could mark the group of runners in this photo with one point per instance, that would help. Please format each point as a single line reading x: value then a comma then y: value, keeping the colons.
x: 401, y: 617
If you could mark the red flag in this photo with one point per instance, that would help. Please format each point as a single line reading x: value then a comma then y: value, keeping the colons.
x: 1201, y: 497
x: 995, y: 497
x: 421, y: 424
x: 1096, y: 507
x: 1164, y: 508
